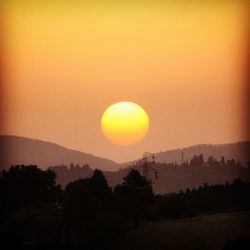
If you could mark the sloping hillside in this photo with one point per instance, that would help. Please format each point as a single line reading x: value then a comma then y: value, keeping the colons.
x: 207, y: 232
x: 21, y: 150
x: 240, y: 151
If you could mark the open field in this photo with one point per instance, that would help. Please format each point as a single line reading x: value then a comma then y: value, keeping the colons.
x: 201, y: 232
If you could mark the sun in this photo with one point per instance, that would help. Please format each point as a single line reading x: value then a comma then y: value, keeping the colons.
x: 125, y: 123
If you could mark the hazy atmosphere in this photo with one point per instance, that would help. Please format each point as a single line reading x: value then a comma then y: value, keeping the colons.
x: 66, y: 63
x: 124, y: 125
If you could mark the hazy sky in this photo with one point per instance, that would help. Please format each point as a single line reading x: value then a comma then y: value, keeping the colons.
x: 66, y: 62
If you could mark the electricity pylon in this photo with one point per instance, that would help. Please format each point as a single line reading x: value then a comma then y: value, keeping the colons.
x: 147, y: 162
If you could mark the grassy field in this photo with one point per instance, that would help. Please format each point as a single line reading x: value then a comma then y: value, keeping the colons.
x: 202, y: 232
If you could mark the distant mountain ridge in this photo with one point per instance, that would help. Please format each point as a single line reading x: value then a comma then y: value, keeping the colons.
x: 240, y: 151
x: 21, y: 150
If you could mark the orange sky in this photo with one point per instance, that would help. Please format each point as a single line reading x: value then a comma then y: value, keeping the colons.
x: 66, y: 62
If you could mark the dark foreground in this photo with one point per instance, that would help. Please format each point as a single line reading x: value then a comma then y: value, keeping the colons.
x: 202, y: 232
x: 35, y: 213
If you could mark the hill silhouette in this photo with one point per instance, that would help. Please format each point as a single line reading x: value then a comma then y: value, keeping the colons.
x: 167, y: 177
x: 20, y: 150
x: 238, y: 151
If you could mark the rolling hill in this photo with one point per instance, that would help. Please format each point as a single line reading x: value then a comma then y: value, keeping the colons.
x: 20, y: 150
x: 207, y: 232
x: 240, y: 151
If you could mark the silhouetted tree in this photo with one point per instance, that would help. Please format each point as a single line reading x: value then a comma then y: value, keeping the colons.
x: 222, y: 161
x: 21, y: 185
x: 85, y: 198
x: 88, y: 212
x: 77, y: 203
x: 134, y: 196
x: 99, y: 186
x: 197, y: 160
x: 210, y: 161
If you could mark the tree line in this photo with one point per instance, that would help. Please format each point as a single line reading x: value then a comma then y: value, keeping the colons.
x: 204, y: 199
x: 199, y: 161
x: 94, y: 214
x: 221, y: 170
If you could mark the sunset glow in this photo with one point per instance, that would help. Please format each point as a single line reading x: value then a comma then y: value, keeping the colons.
x: 66, y: 61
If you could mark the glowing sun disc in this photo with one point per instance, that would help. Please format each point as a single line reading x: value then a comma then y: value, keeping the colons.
x: 125, y: 123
